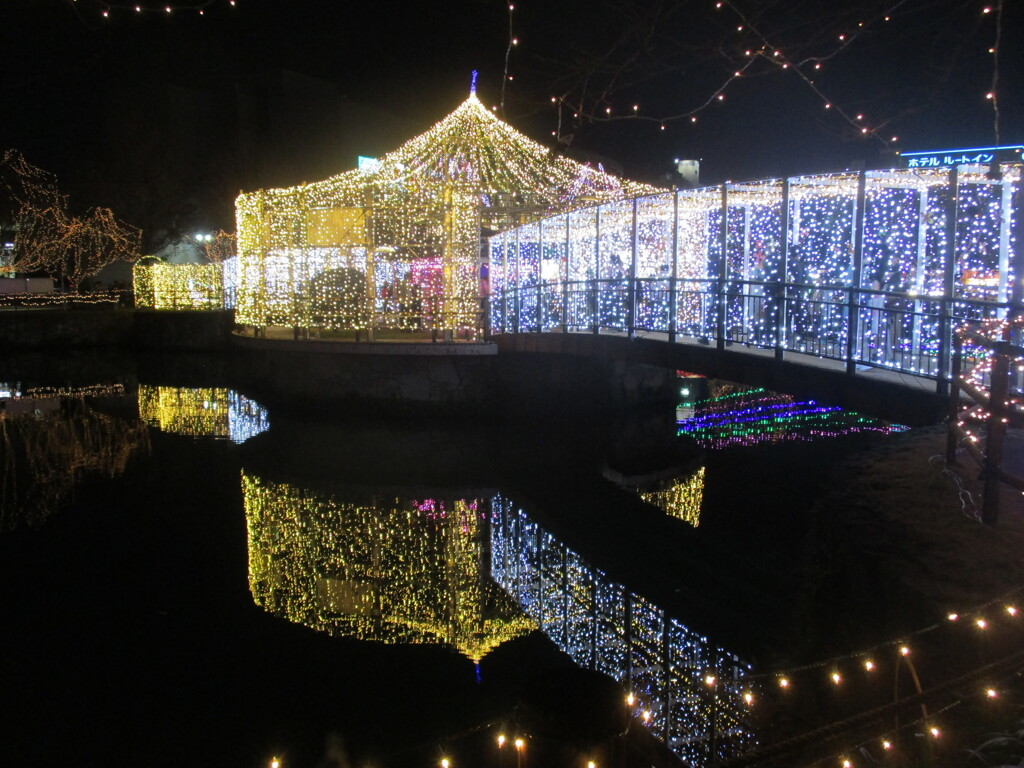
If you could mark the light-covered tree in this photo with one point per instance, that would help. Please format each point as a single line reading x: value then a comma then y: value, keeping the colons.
x: 48, y: 238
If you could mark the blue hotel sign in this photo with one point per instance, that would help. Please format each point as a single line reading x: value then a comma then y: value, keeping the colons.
x: 945, y: 158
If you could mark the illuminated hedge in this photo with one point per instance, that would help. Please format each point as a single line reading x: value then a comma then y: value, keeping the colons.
x: 395, y: 244
x: 178, y: 286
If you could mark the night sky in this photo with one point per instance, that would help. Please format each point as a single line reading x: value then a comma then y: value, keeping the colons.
x: 165, y: 117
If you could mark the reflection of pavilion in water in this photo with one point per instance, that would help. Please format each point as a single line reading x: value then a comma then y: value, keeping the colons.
x: 678, y: 497
x: 202, y: 412
x: 389, y: 570
x: 603, y: 626
x: 678, y: 492
x: 51, y: 439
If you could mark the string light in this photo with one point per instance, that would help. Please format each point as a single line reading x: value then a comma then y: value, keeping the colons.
x: 179, y: 286
x: 904, y: 252
x: 395, y: 245
x: 53, y: 439
x: 48, y: 238
x: 409, y: 569
x: 110, y: 10
x: 756, y: 416
x: 202, y: 412
x: 588, y: 624
x: 59, y: 299
x: 680, y: 498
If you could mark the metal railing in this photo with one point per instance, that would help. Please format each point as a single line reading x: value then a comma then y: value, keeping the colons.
x: 987, y: 374
x: 861, y: 327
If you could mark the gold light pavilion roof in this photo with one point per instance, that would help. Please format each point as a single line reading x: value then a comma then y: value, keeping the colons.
x: 473, y: 150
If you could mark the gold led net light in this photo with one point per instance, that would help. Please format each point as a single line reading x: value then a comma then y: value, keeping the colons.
x: 679, y: 497
x: 396, y: 246
x: 179, y: 286
x: 393, y: 571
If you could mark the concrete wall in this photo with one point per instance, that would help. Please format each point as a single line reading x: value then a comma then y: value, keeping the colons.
x: 881, y: 393
x: 535, y: 373
x: 31, y: 328
x: 202, y: 331
x: 365, y: 378
x: 80, y: 327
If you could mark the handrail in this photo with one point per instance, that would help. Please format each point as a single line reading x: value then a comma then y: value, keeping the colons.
x: 994, y: 407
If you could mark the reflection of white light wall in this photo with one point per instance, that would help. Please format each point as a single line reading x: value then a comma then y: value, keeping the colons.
x: 246, y: 418
x: 601, y: 625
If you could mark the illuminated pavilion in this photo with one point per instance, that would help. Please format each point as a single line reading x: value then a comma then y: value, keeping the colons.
x: 395, y: 244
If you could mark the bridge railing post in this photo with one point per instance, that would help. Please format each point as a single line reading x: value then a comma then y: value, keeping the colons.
x: 949, y: 271
x: 593, y: 289
x: 853, y: 297
x: 565, y: 274
x: 673, y: 280
x: 539, y: 291
x: 992, y: 469
x: 781, y: 290
x: 631, y: 291
x: 723, y: 272
x: 953, y: 412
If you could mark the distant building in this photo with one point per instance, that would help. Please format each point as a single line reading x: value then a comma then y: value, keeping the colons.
x: 947, y: 158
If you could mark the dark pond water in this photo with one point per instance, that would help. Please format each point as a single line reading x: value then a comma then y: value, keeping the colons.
x: 189, y: 579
